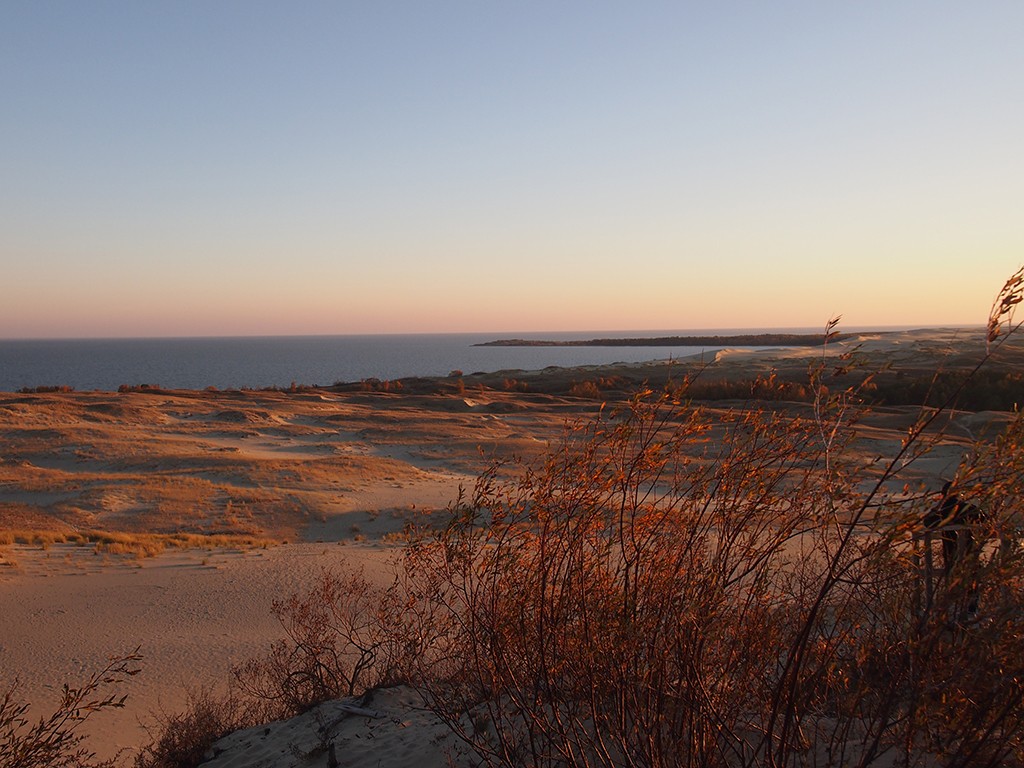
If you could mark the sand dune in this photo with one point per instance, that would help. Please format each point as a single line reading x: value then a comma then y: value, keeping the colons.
x: 346, y: 472
x: 335, y: 474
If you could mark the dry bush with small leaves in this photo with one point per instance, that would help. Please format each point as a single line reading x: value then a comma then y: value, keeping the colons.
x: 338, y: 643
x: 185, y: 739
x: 55, y: 740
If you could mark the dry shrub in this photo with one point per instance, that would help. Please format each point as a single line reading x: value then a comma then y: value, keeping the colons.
x: 54, y: 741
x: 634, y: 602
x: 183, y: 740
x: 338, y: 642
x: 587, y: 389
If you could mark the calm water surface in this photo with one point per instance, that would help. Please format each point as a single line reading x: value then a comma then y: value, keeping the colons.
x: 235, y: 362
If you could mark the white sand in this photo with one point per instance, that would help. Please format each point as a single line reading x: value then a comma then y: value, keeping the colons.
x: 392, y: 729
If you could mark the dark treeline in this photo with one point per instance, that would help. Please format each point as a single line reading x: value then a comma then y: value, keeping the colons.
x: 988, y: 390
x: 991, y: 390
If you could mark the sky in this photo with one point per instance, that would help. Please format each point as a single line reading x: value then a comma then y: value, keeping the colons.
x: 257, y: 168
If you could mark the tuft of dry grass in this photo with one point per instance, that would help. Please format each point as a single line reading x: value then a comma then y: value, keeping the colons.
x: 587, y: 388
x: 6, y: 560
x: 39, y: 538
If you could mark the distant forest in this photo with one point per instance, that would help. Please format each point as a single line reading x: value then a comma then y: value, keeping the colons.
x: 741, y: 340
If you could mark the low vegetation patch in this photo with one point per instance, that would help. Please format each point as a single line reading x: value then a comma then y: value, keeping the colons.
x: 136, y: 544
x: 184, y: 739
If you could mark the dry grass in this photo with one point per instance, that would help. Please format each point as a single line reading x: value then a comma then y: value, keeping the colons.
x: 41, y: 539
x: 139, y: 545
x: 7, y: 560
x: 258, y: 464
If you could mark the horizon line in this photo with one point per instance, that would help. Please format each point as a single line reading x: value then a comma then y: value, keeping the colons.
x: 517, y: 334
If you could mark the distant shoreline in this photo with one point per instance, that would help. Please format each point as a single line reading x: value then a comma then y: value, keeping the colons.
x: 745, y: 340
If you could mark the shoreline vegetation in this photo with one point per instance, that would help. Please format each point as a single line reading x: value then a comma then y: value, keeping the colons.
x: 709, y: 562
x: 739, y: 340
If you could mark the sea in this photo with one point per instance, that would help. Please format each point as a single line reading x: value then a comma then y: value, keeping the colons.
x: 279, y: 361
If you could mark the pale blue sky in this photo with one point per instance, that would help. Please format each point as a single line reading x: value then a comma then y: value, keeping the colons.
x: 216, y: 168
